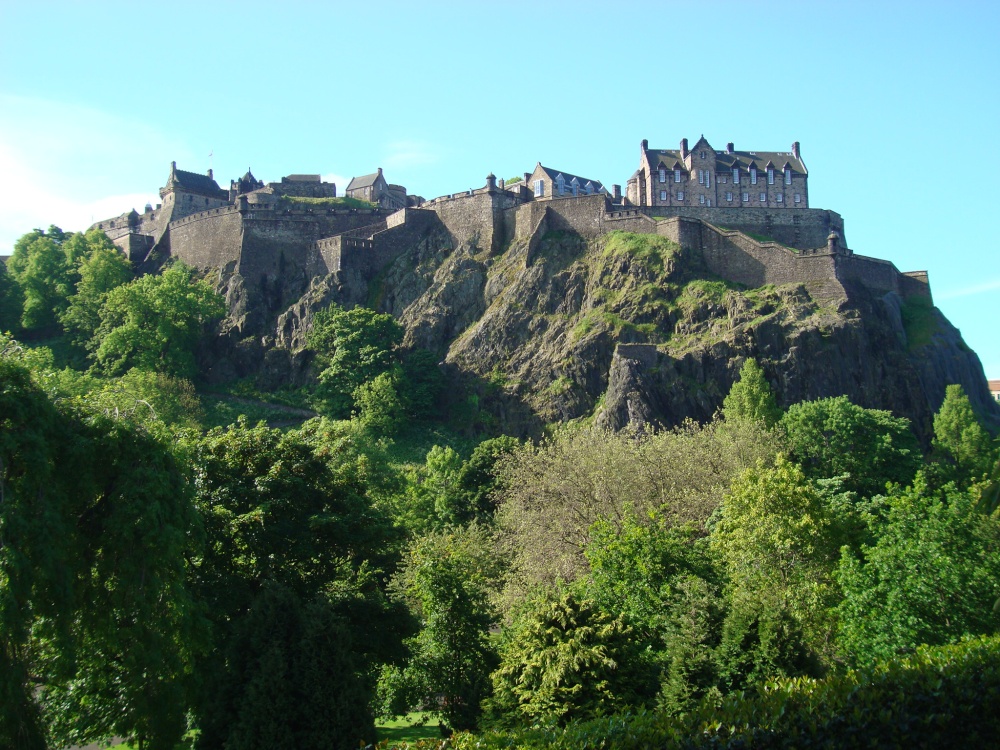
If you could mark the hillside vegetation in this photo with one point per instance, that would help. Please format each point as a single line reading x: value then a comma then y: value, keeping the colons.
x: 782, y: 571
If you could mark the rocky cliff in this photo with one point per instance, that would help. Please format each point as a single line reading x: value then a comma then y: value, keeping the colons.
x: 633, y: 330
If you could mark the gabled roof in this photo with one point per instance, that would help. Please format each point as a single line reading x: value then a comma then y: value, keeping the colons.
x: 193, y: 182
x: 723, y: 160
x: 554, y: 173
x: 364, y: 181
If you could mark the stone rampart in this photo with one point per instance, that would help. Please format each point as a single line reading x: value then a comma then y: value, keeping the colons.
x: 210, y: 239
x: 801, y: 228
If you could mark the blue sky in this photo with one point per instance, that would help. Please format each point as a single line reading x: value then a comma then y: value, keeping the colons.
x: 896, y: 105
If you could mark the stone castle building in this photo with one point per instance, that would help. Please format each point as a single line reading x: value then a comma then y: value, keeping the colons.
x: 746, y: 212
x: 706, y: 178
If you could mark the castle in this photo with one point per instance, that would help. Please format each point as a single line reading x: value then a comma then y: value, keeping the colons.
x: 747, y: 212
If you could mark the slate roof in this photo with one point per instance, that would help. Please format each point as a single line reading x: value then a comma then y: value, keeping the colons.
x: 362, y: 182
x: 196, y: 183
x: 553, y: 173
x: 723, y: 160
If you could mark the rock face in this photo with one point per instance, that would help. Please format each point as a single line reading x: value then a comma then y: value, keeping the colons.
x: 633, y: 330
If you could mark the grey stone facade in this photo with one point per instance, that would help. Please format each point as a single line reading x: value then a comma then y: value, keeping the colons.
x: 701, y: 177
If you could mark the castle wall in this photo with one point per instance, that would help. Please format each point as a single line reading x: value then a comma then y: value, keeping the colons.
x: 474, y: 218
x: 804, y: 228
x: 743, y: 260
x: 210, y: 239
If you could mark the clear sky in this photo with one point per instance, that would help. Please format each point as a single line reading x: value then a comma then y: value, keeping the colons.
x: 896, y: 105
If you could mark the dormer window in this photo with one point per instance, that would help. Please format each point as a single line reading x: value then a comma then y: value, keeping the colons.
x: 736, y: 175
x: 788, y: 176
x: 753, y: 175
x: 770, y: 175
x: 539, y: 188
x: 663, y: 175
x: 677, y: 175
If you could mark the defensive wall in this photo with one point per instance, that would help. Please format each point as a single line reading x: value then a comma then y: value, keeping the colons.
x: 364, y: 252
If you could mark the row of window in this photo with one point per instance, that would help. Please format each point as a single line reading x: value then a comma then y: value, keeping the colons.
x: 778, y: 198
x: 704, y: 177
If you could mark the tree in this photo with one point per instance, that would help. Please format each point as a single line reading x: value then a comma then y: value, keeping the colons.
x: 287, y: 517
x: 445, y: 579
x: 11, y: 302
x: 478, y: 480
x: 40, y: 267
x: 831, y: 437
x: 960, y: 440
x: 155, y: 322
x: 930, y: 578
x: 96, y: 524
x: 551, y: 494
x: 353, y: 347
x: 750, y: 398
x: 377, y: 403
x: 775, y: 546
x: 101, y: 269
x: 565, y: 659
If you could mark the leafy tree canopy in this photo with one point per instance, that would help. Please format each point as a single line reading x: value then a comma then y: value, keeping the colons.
x: 155, y: 322
x: 832, y: 437
x: 960, y: 440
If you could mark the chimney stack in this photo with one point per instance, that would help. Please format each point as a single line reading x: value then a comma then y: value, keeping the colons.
x: 616, y: 193
x: 730, y: 148
x: 210, y: 175
x: 645, y: 144
x: 527, y: 177
x: 795, y: 150
x: 684, y: 148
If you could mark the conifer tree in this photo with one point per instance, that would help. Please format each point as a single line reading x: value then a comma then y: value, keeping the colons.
x: 750, y: 399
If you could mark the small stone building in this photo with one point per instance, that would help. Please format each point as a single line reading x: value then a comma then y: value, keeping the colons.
x: 703, y: 177
x: 374, y: 189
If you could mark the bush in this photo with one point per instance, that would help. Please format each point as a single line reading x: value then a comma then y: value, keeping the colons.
x: 937, y: 698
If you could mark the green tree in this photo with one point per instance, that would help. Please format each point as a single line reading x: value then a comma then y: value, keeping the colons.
x: 445, y: 579
x: 155, y: 322
x: 832, y: 437
x: 11, y: 302
x: 377, y: 403
x: 95, y: 526
x: 42, y: 271
x: 776, y: 547
x: 478, y: 480
x: 750, y: 398
x: 960, y: 440
x: 287, y: 513
x: 565, y: 659
x: 932, y: 577
x: 101, y: 268
x: 352, y: 347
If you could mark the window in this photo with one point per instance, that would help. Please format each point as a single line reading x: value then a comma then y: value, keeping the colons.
x: 736, y: 175
x: 701, y: 176
x: 788, y: 176
x: 663, y: 195
x: 763, y: 197
x: 779, y: 198
x: 708, y: 178
x: 723, y: 180
x: 539, y: 188
x: 729, y: 197
x: 770, y: 175
x: 701, y: 199
x: 680, y: 195
x: 677, y: 175
x: 798, y: 198
x: 753, y: 175
x: 746, y: 197
x: 702, y: 154
x: 663, y: 175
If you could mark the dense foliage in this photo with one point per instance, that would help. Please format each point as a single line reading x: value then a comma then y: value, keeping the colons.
x: 773, y: 578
